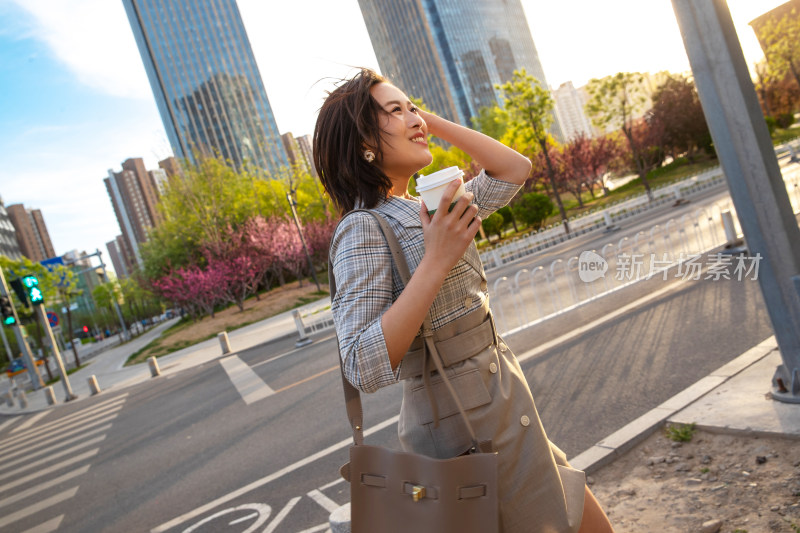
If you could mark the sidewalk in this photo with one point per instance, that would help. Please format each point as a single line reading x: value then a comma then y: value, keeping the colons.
x: 108, y: 367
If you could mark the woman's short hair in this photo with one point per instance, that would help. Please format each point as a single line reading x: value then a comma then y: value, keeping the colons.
x: 348, y: 119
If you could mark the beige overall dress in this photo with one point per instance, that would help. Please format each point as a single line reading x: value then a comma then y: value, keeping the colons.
x: 538, y: 491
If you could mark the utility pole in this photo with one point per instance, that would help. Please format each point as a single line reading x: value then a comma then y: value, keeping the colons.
x: 30, y: 360
x: 302, y: 239
x: 754, y: 178
x: 68, y: 394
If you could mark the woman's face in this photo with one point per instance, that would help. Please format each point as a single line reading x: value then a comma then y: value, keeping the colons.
x: 405, y: 134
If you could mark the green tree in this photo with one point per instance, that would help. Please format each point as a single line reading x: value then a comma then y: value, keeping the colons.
x: 529, y: 108
x: 614, y: 101
x: 493, y: 225
x: 491, y: 121
x: 781, y: 37
x: 533, y: 209
x: 106, y: 295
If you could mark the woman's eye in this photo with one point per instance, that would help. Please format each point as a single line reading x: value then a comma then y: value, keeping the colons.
x: 414, y: 109
x: 396, y: 109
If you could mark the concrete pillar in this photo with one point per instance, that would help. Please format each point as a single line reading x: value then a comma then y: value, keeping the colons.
x: 304, y: 340
x: 23, y: 400
x: 729, y: 227
x: 50, y: 394
x: 747, y: 156
x: 224, y: 342
x: 93, y: 385
x: 153, y: 364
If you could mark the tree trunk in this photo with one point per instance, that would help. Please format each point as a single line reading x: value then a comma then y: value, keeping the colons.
x: 552, y: 176
x: 640, y: 168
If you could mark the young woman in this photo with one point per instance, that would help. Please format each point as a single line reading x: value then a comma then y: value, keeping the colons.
x: 368, y: 142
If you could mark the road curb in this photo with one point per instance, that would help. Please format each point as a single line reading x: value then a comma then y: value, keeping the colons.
x: 622, y: 440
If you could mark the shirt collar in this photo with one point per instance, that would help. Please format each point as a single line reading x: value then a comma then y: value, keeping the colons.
x: 403, y: 210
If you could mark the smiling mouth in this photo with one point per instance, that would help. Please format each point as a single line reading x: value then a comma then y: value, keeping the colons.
x: 419, y: 139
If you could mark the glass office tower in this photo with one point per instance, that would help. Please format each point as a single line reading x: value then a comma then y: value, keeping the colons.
x: 469, y: 45
x: 206, y: 81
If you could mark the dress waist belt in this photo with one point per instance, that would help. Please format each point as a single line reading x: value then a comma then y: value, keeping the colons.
x: 454, y: 348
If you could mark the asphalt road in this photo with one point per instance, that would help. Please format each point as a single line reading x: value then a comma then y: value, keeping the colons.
x: 187, y: 451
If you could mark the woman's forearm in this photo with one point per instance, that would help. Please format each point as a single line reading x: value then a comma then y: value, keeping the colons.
x: 402, y: 321
x: 497, y: 159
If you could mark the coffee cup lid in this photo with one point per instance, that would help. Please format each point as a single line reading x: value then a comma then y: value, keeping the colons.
x: 436, y: 179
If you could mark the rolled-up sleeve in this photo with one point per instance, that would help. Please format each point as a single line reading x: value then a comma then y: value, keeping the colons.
x: 362, y: 266
x: 491, y: 193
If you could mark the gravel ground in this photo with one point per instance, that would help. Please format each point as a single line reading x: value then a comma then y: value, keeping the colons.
x: 715, y: 482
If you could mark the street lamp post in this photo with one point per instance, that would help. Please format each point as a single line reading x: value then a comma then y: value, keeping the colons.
x: 292, y: 205
x: 754, y: 177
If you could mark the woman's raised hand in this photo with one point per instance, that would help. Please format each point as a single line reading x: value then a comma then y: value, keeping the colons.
x: 449, y: 231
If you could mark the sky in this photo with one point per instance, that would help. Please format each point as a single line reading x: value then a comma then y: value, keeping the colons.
x: 75, y: 100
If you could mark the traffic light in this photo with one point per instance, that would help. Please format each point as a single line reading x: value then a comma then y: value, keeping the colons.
x: 35, y: 294
x: 86, y: 329
x: 16, y: 284
x: 7, y: 311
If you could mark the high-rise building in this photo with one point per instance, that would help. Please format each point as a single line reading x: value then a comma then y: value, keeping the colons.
x: 120, y: 257
x: 205, y: 80
x: 306, y: 145
x: 34, y: 240
x: 452, y: 53
x: 134, y: 196
x: 570, y: 104
x: 294, y: 152
x: 773, y: 15
x: 9, y: 246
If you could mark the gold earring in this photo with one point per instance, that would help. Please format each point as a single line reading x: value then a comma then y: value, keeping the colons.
x: 369, y: 156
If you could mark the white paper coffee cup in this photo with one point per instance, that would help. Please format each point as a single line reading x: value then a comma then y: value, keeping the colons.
x: 432, y: 186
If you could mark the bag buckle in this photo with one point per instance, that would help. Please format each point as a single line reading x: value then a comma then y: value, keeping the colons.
x: 417, y: 492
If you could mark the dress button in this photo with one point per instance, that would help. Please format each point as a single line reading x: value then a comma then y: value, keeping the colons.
x: 525, y: 421
x: 484, y: 285
x: 467, y: 302
x: 493, y: 368
x: 503, y: 347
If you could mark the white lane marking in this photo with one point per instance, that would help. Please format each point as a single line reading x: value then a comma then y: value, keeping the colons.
x: 321, y: 527
x: 280, y: 516
x: 244, y: 519
x: 262, y: 511
x: 31, y: 420
x: 38, y: 506
x: 58, y: 422
x: 30, y: 454
x: 49, y: 470
x: 248, y: 383
x: 270, y: 478
x: 44, y: 486
x: 326, y: 503
x: 47, y: 438
x: 52, y: 456
x: 332, y: 483
x: 9, y: 422
x: 48, y: 429
x: 47, y: 527
x: 600, y: 321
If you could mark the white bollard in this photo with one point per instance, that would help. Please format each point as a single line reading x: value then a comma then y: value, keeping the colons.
x: 301, y: 330
x: 224, y: 342
x: 729, y: 227
x: 93, y: 385
x: 154, y: 370
x: 339, y: 519
x: 50, y: 394
x: 9, y: 396
x: 23, y: 400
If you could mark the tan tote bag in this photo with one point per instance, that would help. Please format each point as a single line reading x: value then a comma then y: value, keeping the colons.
x: 397, y: 492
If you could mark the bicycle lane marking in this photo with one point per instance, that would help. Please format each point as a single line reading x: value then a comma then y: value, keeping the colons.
x: 268, y: 479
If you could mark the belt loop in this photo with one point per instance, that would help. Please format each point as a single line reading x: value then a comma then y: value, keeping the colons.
x: 494, y: 329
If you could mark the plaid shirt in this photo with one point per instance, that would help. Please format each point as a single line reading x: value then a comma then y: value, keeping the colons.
x: 367, y: 285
